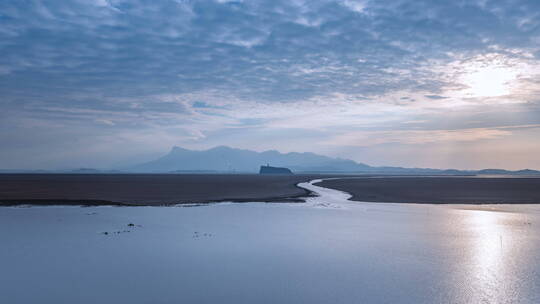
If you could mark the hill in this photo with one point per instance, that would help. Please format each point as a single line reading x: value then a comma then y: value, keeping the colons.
x: 226, y: 159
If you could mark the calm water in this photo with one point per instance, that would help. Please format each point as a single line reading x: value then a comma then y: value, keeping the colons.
x: 325, y: 251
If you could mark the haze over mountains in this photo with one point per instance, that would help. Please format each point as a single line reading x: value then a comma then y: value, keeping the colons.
x: 226, y: 159
x: 223, y: 159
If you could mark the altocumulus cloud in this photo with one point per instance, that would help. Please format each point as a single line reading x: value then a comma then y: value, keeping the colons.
x: 81, y: 81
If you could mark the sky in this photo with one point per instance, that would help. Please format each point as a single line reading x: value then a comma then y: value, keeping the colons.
x: 415, y: 83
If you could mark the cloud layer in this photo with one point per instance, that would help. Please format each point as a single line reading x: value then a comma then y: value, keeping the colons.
x: 82, y: 80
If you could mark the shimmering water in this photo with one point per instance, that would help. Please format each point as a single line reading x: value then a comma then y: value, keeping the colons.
x: 327, y: 250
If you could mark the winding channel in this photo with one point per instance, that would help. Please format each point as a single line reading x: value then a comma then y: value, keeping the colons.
x: 325, y: 197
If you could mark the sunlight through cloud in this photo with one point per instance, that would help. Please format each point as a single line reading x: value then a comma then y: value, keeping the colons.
x: 489, y: 81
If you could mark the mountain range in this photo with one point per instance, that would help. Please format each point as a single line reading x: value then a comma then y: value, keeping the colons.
x: 227, y: 159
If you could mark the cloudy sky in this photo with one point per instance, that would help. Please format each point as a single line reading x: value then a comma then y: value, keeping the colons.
x: 101, y: 83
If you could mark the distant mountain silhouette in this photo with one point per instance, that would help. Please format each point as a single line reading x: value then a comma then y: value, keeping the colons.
x: 227, y: 159
x: 224, y: 159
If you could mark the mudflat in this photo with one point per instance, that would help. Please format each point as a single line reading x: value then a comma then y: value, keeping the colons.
x: 146, y: 189
x: 440, y: 190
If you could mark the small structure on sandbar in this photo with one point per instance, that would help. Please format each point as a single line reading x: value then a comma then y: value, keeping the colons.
x: 274, y: 170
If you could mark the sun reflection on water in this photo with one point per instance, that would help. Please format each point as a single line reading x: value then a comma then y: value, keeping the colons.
x: 488, y: 255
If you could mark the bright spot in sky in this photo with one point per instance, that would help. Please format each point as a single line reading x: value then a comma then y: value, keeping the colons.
x: 489, y: 81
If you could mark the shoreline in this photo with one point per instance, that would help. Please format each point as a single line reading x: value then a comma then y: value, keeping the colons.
x: 178, y: 190
x: 150, y: 190
x: 439, y: 190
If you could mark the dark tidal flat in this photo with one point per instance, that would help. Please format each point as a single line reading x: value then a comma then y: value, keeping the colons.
x: 440, y: 190
x: 167, y: 189
x: 145, y: 189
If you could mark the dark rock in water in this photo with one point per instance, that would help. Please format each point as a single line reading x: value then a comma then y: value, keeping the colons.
x: 274, y: 170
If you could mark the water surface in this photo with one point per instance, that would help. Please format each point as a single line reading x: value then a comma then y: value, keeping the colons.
x: 327, y: 250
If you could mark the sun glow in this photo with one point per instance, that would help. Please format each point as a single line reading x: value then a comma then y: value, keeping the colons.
x: 489, y: 81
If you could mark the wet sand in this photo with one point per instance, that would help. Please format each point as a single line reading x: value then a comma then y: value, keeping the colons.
x: 440, y: 190
x: 146, y: 189
x: 170, y: 189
